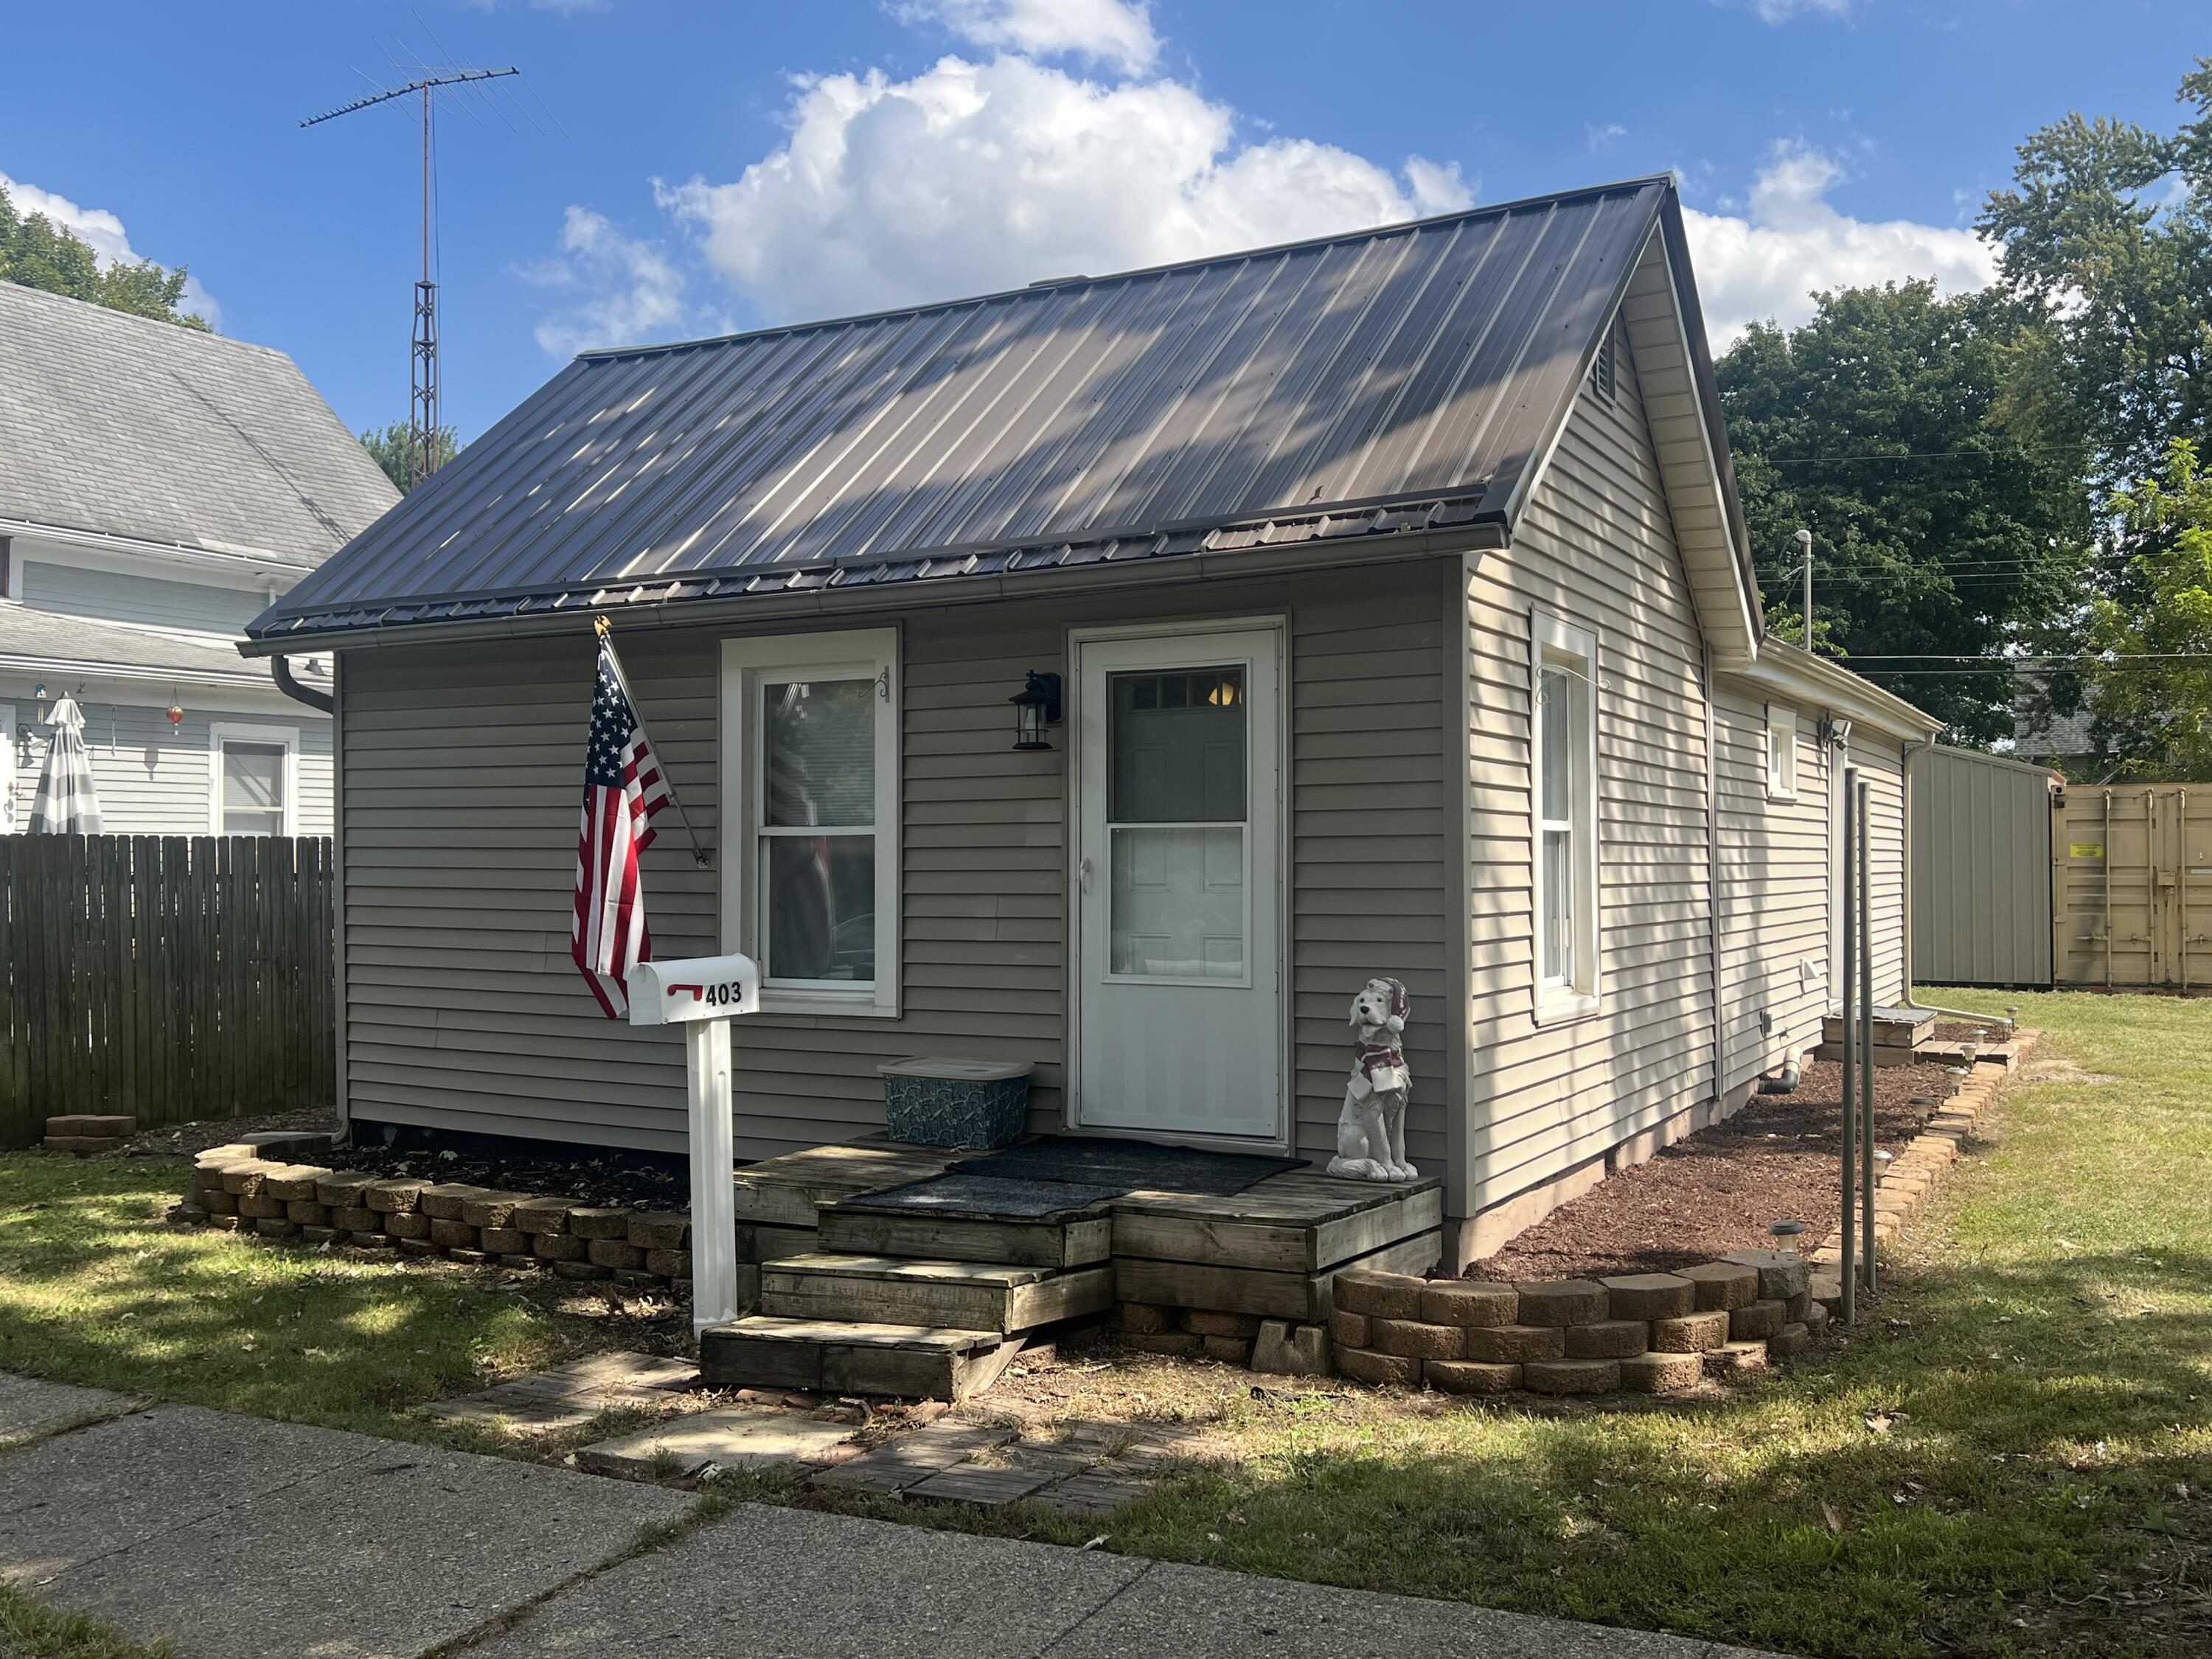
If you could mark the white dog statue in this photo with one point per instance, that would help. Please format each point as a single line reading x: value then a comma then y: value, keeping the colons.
x: 1371, y: 1131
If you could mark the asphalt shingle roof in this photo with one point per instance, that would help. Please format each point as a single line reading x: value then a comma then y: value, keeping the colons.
x: 140, y: 428
x: 36, y: 637
x: 1399, y: 379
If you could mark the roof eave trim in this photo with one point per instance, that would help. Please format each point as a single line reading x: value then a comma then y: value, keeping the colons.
x: 1233, y: 564
x: 1797, y: 673
x: 88, y: 668
x: 113, y: 542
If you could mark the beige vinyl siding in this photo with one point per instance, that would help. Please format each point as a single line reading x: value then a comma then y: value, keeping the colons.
x: 462, y: 770
x: 154, y: 779
x: 1773, y: 889
x: 1880, y: 760
x: 1596, y: 546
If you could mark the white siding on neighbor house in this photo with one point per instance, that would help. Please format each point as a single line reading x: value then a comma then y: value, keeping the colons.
x: 1595, y: 545
x: 158, y: 601
x: 462, y: 771
x: 1880, y: 760
x: 1773, y: 889
x: 154, y: 779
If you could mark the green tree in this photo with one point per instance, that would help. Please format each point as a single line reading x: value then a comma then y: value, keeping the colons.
x: 2107, y: 230
x: 1880, y: 426
x: 2151, y: 685
x: 39, y: 254
x: 392, y: 446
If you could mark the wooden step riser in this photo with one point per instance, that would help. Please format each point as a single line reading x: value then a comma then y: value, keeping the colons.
x: 1162, y: 1235
x: 1306, y: 1298
x: 1882, y: 1056
x: 945, y: 1238
x: 797, y: 1295
x: 832, y: 1368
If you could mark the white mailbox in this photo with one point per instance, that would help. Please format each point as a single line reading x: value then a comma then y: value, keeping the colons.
x: 701, y: 994
x: 703, y: 987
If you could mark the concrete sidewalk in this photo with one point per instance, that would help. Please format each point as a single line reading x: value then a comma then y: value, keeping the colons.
x: 237, y: 1538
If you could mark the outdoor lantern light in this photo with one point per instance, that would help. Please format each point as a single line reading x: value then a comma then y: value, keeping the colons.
x: 1037, y: 706
x: 1786, y: 1235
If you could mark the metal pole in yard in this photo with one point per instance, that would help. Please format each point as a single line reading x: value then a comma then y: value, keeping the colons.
x: 1866, y: 1034
x: 1849, y: 1027
x: 1805, y: 553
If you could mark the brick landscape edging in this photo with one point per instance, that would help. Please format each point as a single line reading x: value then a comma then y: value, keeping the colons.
x: 250, y: 1186
x: 1648, y: 1333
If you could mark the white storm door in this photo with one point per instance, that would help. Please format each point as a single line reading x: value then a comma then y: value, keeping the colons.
x: 1178, y: 859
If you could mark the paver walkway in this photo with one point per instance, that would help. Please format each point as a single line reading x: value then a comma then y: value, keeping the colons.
x: 237, y: 1537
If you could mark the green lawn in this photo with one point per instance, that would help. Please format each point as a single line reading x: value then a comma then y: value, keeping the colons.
x: 29, y: 1630
x: 2010, y: 1457
x: 95, y: 1288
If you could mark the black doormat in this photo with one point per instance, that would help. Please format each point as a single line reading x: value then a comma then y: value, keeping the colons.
x: 1060, y: 1173
x: 953, y: 1193
x: 1126, y: 1166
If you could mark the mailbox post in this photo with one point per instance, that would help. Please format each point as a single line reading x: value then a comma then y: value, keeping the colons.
x: 701, y: 995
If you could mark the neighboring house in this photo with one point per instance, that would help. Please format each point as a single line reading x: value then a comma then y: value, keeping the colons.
x: 158, y: 488
x: 2065, y: 743
x: 1405, y: 626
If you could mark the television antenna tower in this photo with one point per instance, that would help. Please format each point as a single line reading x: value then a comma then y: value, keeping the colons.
x: 423, y: 405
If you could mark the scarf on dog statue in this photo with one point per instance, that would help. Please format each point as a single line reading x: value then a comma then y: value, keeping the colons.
x: 1390, y: 1053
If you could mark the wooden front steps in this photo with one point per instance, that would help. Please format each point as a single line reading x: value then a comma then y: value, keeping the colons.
x: 869, y: 1300
x: 970, y: 1296
x: 850, y: 1227
x: 852, y: 1357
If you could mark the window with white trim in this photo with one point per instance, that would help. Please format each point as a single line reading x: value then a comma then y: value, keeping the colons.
x: 1781, y: 753
x: 254, y: 780
x: 1562, y: 719
x: 811, y: 817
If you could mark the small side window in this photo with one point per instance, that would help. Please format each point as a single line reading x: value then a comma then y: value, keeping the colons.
x: 1781, y: 754
x: 1563, y: 788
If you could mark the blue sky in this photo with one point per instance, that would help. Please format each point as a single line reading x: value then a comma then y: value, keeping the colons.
x: 677, y: 168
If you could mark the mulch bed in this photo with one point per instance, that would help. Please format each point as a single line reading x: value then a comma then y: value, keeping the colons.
x: 1721, y: 1189
x: 619, y: 1180
x: 184, y: 1140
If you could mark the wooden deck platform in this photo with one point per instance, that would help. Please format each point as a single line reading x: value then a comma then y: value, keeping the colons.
x: 1273, y: 1250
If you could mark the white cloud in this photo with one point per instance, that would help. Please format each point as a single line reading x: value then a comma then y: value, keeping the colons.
x: 621, y: 290
x: 1793, y: 241
x: 104, y: 232
x: 1600, y: 137
x: 1104, y: 31
x: 971, y: 177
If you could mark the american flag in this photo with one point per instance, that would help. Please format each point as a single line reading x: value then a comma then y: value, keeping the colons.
x: 623, y: 790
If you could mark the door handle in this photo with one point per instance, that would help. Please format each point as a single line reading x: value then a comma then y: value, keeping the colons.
x: 1082, y: 874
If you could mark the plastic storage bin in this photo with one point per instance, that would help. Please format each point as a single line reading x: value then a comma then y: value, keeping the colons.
x: 932, y: 1102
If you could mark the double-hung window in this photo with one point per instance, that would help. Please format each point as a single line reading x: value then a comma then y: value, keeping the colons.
x: 1563, y: 709
x: 1781, y: 753
x: 811, y: 816
x: 254, y: 784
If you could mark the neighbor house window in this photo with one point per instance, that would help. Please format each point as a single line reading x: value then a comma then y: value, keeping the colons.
x: 254, y: 782
x: 1781, y: 754
x: 811, y: 810
x: 1563, y: 707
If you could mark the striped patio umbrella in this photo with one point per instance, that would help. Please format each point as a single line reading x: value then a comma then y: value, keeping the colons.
x: 66, y: 804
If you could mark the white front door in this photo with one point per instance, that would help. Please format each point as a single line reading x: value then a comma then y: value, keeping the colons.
x: 1178, y: 824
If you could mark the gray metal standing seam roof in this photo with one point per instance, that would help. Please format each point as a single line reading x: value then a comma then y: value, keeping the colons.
x: 135, y: 427
x: 1389, y: 380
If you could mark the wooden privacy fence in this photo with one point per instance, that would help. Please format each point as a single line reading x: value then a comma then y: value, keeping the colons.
x: 172, y: 977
